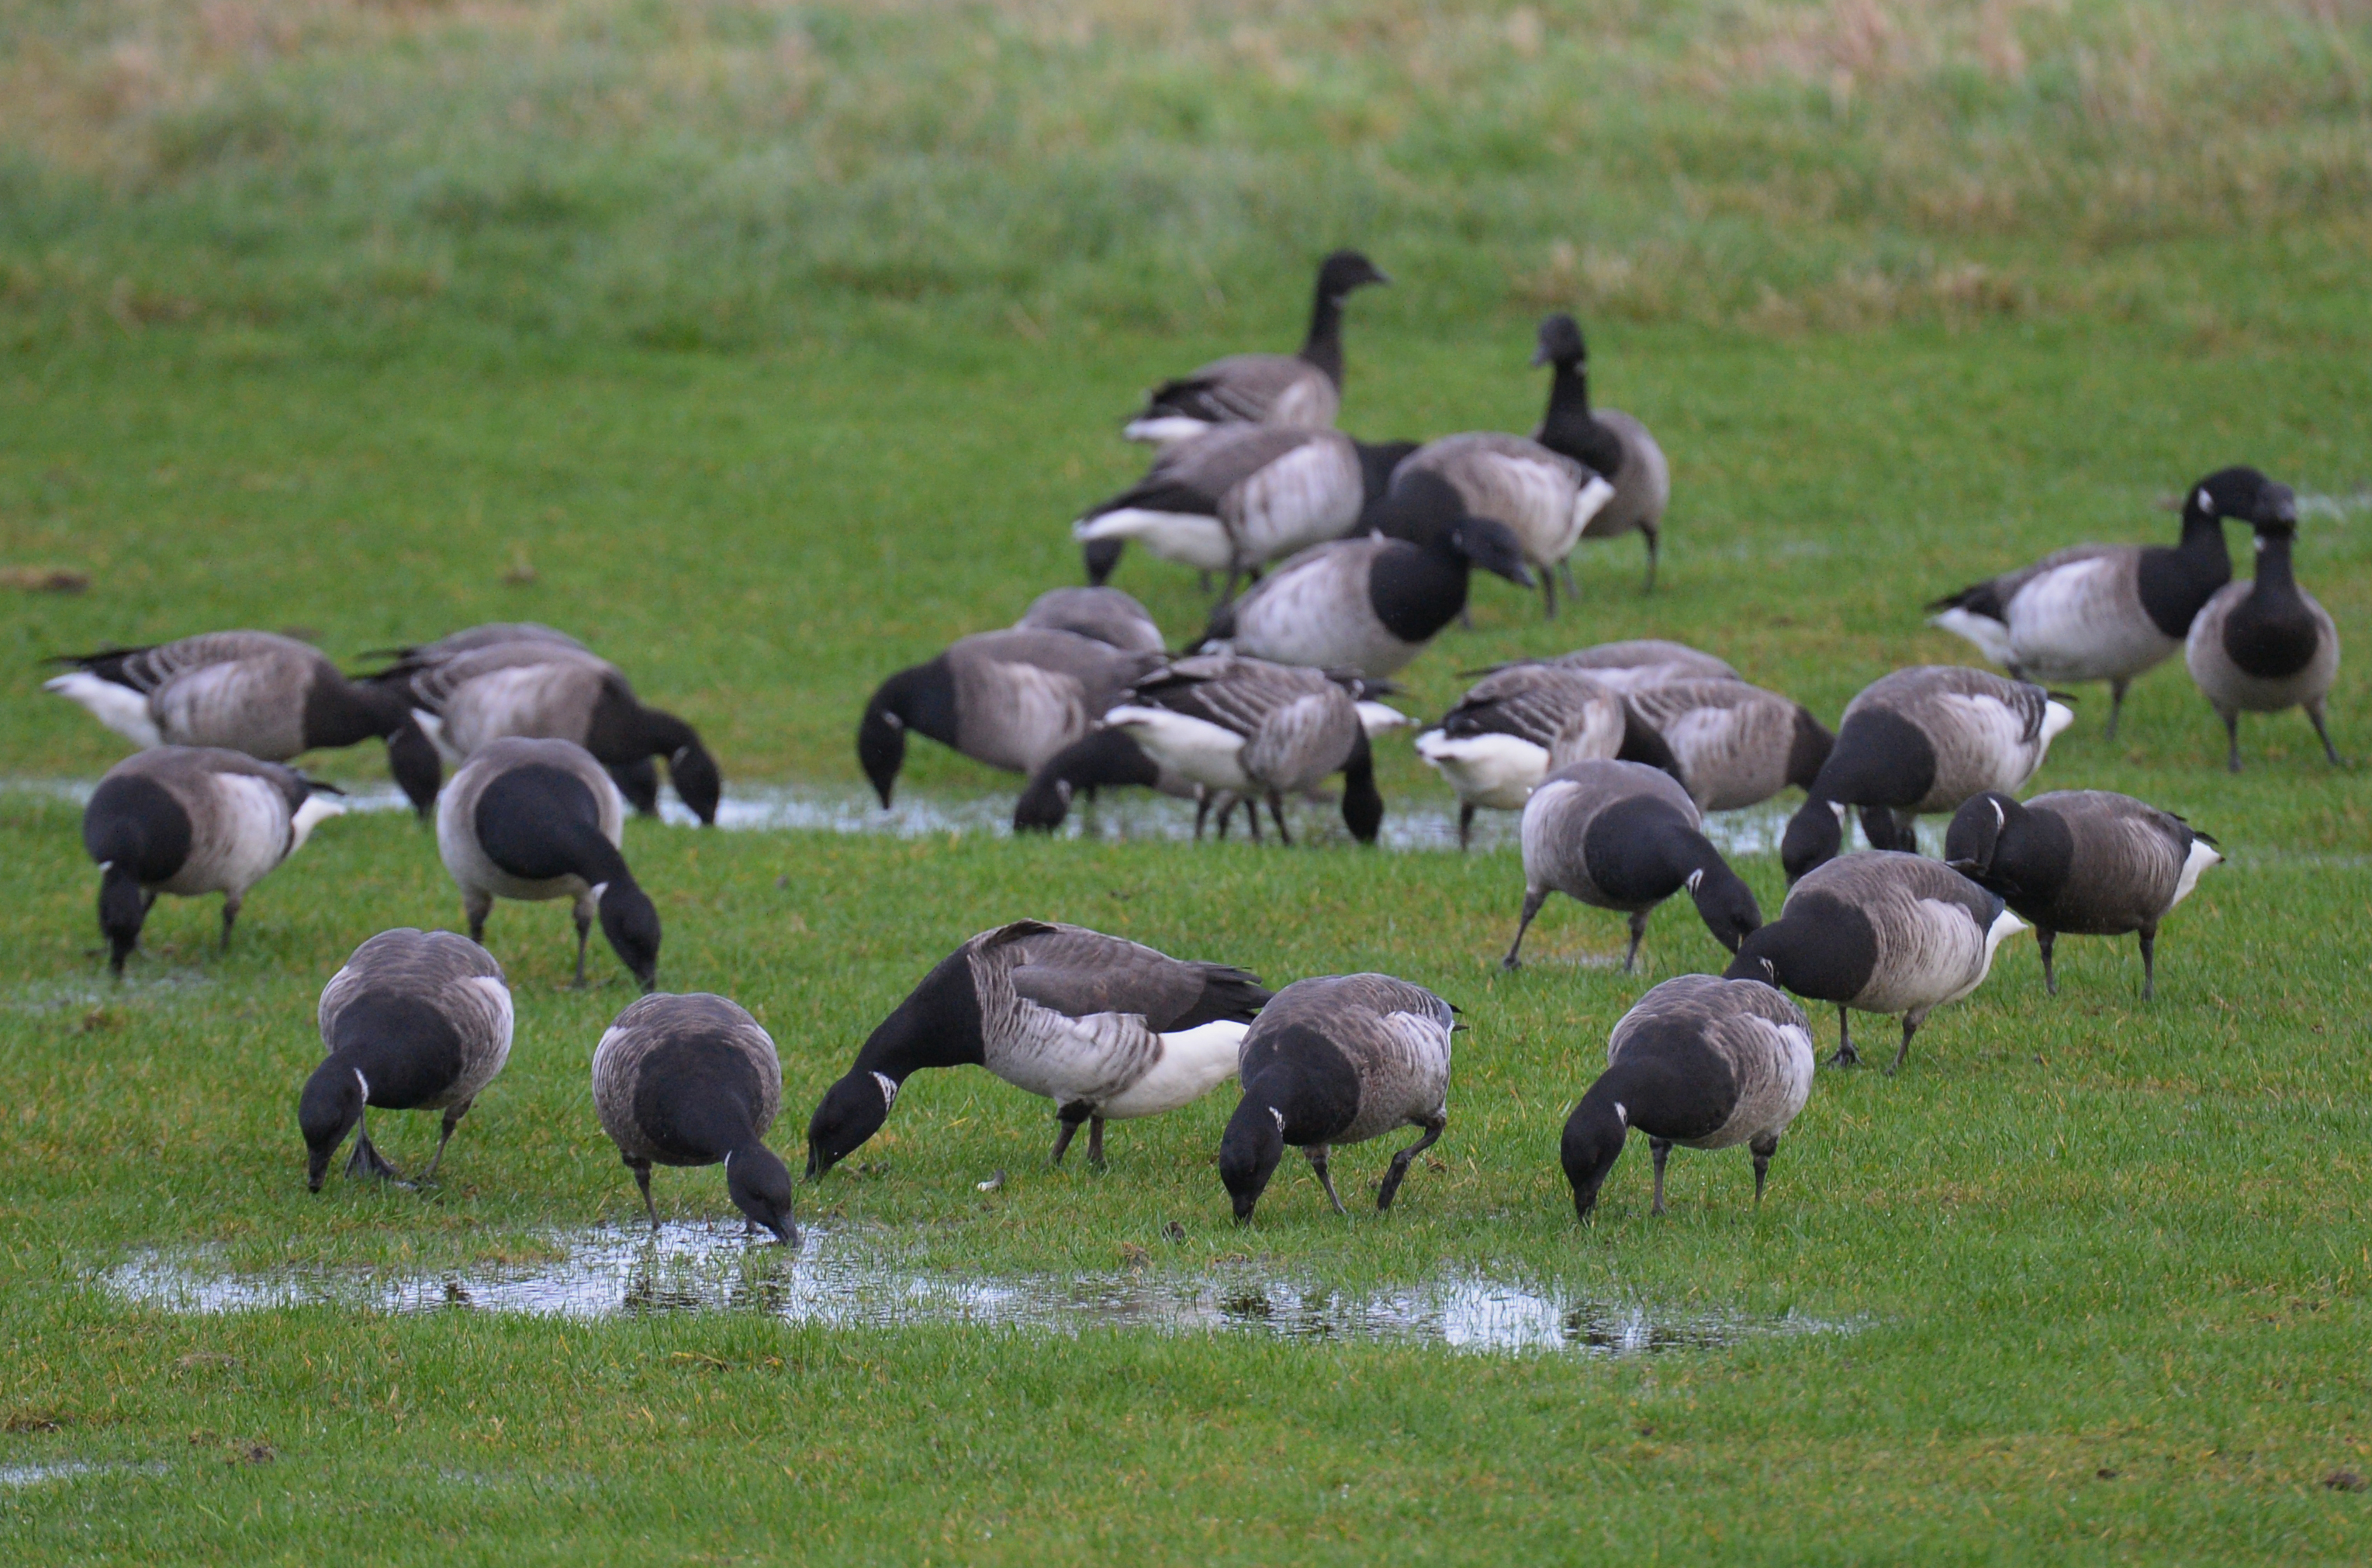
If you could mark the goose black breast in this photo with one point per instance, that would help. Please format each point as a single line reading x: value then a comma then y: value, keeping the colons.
x: 682, y: 1084
x: 1880, y: 759
x: 418, y: 1051
x: 517, y: 812
x: 135, y: 822
x: 1329, y: 1100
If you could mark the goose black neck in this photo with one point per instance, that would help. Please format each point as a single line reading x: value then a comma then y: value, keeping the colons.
x: 2176, y: 582
x: 339, y: 712
x: 2273, y: 634
x: 1323, y: 346
x: 1316, y: 1104
x: 406, y: 1048
x: 2031, y: 859
x: 938, y: 1025
x: 538, y: 823
x: 1415, y: 589
x: 1819, y: 947
x: 922, y: 698
x: 2276, y: 576
x: 1642, y: 850
x: 1570, y: 428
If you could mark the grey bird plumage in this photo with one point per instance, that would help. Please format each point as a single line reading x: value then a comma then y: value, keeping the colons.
x: 1514, y: 726
x: 1735, y: 744
x: 1237, y: 497
x: 1545, y: 497
x: 1107, y: 615
x: 2266, y: 644
x: 1640, y: 661
x: 694, y: 1080
x: 269, y: 696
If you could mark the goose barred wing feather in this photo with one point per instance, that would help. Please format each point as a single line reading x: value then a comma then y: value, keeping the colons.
x: 1076, y: 972
x: 1249, y: 388
x: 1107, y: 615
x: 1643, y: 653
x: 1758, y: 1034
x: 148, y: 669
x: 1532, y: 702
x: 1396, y: 1035
x: 1198, y: 474
x: 1734, y: 742
x: 1933, y: 927
x: 1512, y: 480
x: 1235, y: 693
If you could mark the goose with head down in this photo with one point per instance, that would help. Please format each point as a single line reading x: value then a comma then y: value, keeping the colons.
x: 1544, y: 497
x: 1515, y: 724
x: 694, y: 1080
x: 1733, y: 745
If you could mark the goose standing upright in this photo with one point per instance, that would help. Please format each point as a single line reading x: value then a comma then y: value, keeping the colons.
x: 1107, y: 615
x: 1707, y: 1062
x: 414, y: 1020
x: 1303, y: 389
x: 1625, y: 836
x: 1338, y: 1059
x: 1880, y: 931
x: 1232, y: 500
x: 693, y: 1080
x: 539, y: 819
x: 2083, y: 861
x: 1921, y: 739
x: 187, y: 820
x: 1608, y: 442
x: 1495, y: 747
x: 1545, y: 497
x: 1733, y: 745
x: 1103, y: 1027
x: 2265, y: 645
x: 2108, y: 612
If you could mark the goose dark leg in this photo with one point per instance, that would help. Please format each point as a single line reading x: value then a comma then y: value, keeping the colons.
x: 1662, y: 1150
x: 2232, y: 732
x: 584, y: 932
x: 444, y: 1136
x: 1911, y: 1022
x: 1763, y: 1148
x: 1401, y: 1161
x: 1846, y: 1056
x: 1251, y: 819
x: 2044, y: 937
x: 1275, y: 809
x: 1096, y: 1142
x: 367, y: 1160
x: 1564, y: 570
x: 1548, y: 595
x: 1466, y: 618
x: 1465, y: 825
x: 1532, y: 902
x: 476, y: 907
x: 1638, y: 935
x: 1317, y: 1155
x: 642, y: 1169
x: 231, y: 915
x: 2314, y: 715
x: 1201, y: 814
x: 2116, y: 706
x: 2149, y: 962
x: 1655, y: 537
x: 1072, y: 1115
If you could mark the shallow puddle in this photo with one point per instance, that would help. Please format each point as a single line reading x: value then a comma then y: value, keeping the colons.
x: 840, y: 1278
x: 67, y: 1470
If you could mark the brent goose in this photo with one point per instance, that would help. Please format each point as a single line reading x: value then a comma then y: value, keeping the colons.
x: 1880, y: 931
x: 1249, y: 727
x: 2082, y: 861
x: 1546, y: 497
x: 1626, y: 836
x: 1232, y: 500
x: 2262, y: 646
x: 1302, y: 389
x: 2109, y: 611
x: 1703, y: 1062
x: 538, y: 819
x: 693, y: 1080
x: 1608, y: 442
x: 1644, y: 661
x: 1370, y: 605
x: 1733, y: 743
x: 416, y: 1020
x: 1010, y: 699
x: 1338, y: 1059
x: 1105, y: 1027
x: 1496, y: 745
x: 192, y: 820
x: 1106, y: 614
x: 1919, y: 740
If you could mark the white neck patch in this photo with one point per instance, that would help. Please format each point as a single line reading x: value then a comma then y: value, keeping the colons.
x: 364, y: 1082
x: 1622, y: 1113
x: 1696, y: 879
x: 889, y: 1090
x: 1280, y: 1119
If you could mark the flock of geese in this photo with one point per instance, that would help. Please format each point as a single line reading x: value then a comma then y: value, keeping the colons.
x: 1612, y: 754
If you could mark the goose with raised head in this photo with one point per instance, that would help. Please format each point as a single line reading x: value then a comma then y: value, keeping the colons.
x: 1626, y: 836
x: 693, y: 1080
x: 1496, y: 746
x: 1370, y: 605
x: 1232, y: 500
x: 1701, y: 1062
x: 1607, y: 441
x: 1880, y: 931
x: 1545, y: 497
x: 540, y: 820
x: 1733, y: 743
x: 2109, y: 612
x: 2083, y: 861
x: 188, y: 821
x: 1249, y: 727
x: 1008, y: 699
x: 1107, y: 615
x: 2266, y: 646
x: 1107, y: 1029
x: 1338, y: 1059
x: 414, y: 1020
x: 1919, y: 740
x: 1304, y: 389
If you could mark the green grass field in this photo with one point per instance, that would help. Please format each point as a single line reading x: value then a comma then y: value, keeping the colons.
x: 772, y: 349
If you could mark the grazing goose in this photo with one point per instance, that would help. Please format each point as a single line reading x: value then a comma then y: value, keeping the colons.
x: 693, y: 1080
x: 538, y: 819
x: 1880, y: 931
x: 1340, y: 1059
x: 1920, y: 739
x: 2109, y: 611
x: 1734, y: 745
x: 1608, y: 442
x: 2083, y: 861
x: 192, y: 820
x: 1232, y: 500
x: 1546, y: 497
x: 416, y: 1020
x: 1370, y: 605
x: 1493, y: 746
x: 1105, y: 1027
x: 2265, y: 645
x: 1625, y: 836
x: 1010, y: 699
x: 1107, y: 615
x: 1644, y: 661
x: 1379, y: 461
x: 1302, y: 389
x: 1249, y: 727
x: 1710, y: 1064
x: 548, y: 690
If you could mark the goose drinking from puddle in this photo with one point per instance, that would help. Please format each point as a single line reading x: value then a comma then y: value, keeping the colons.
x: 1606, y: 441
x: 2265, y: 645
x: 693, y: 1080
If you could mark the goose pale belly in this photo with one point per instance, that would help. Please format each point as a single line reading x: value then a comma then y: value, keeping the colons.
x: 235, y: 839
x: 1772, y: 1083
x: 244, y: 706
x: 1929, y: 952
x: 2082, y: 622
x: 1406, y: 1078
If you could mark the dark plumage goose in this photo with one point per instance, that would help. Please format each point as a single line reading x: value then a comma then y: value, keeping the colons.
x: 1105, y: 1027
x: 1608, y: 442
x: 1303, y: 389
x: 1246, y: 726
x: 539, y: 819
x: 1733, y: 743
x: 2109, y: 611
x: 550, y: 690
x: 1008, y: 699
x: 1918, y: 740
x: 1370, y: 605
x: 1625, y: 836
x: 2083, y: 861
x: 1498, y: 743
x: 1710, y: 1064
x: 1107, y: 615
x: 416, y: 1020
x: 693, y: 1080
x: 1880, y: 931
x: 1546, y: 497
x: 1340, y: 1059
x: 2265, y: 645
x: 1644, y: 661
x: 1232, y: 500
x: 1378, y: 462
x: 270, y: 696
x: 192, y: 820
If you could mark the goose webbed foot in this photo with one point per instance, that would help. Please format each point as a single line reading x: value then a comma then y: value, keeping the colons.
x: 368, y: 1163
x: 1661, y: 1148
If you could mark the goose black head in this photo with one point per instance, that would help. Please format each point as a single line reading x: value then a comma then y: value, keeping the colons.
x: 1593, y: 1140
x: 696, y: 780
x: 759, y: 1185
x: 1560, y: 343
x: 1491, y: 546
x: 1101, y: 556
x: 1726, y: 902
x: 1363, y: 804
x: 1248, y: 1152
x: 632, y: 924
x: 412, y: 762
x: 123, y: 911
x: 1344, y: 271
x: 922, y: 699
x: 2275, y: 512
x: 1100, y: 758
x: 2226, y: 496
x: 851, y: 1111
x: 331, y: 1106
x: 1824, y: 950
x: 1975, y: 833
x: 1419, y: 508
x: 1814, y: 836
